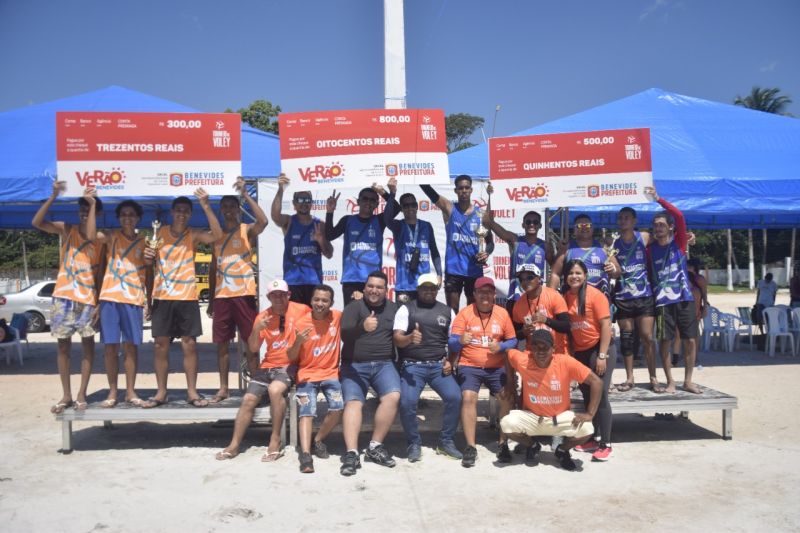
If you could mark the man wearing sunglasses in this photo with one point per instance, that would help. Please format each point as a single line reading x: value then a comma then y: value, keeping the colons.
x: 304, y: 243
x: 585, y: 247
x: 363, y: 237
x: 463, y: 262
x: 415, y: 248
x: 524, y: 249
x: 539, y: 307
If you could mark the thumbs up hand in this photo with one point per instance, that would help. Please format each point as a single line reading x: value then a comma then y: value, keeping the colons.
x: 416, y: 335
x: 371, y: 323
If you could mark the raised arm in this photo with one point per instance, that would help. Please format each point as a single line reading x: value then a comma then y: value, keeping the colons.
x: 444, y: 205
x: 490, y: 223
x: 318, y: 235
x: 280, y: 220
x: 215, y: 230
x: 333, y: 232
x: 39, y: 222
x: 256, y: 228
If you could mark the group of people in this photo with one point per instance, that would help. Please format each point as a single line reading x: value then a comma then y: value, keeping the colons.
x: 551, y: 333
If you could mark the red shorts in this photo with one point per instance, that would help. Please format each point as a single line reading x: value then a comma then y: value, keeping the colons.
x: 230, y: 313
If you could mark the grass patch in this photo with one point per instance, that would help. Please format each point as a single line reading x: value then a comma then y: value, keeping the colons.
x: 723, y: 289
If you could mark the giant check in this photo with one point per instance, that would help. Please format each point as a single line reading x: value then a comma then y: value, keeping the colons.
x: 148, y: 154
x: 571, y: 169
x: 331, y: 149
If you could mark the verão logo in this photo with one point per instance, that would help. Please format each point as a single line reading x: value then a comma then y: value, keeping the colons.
x: 329, y: 173
x: 100, y: 177
x: 526, y: 193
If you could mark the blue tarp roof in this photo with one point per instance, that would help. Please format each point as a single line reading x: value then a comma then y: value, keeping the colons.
x: 28, y: 154
x: 724, y: 166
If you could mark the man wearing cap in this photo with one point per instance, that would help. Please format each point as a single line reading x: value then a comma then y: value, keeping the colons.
x: 421, y: 331
x: 480, y: 335
x: 585, y: 247
x: 276, y: 328
x: 540, y: 307
x: 368, y: 361
x: 546, y: 411
x: 414, y: 245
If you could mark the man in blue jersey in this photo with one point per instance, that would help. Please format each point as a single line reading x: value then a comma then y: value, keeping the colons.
x: 463, y: 261
x: 415, y: 248
x: 634, y: 298
x: 589, y: 250
x: 675, y: 307
x: 363, y: 237
x: 304, y: 243
x: 525, y: 248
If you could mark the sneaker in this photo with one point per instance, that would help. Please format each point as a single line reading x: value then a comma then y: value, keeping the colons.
x: 414, y: 453
x: 350, y: 463
x: 590, y: 446
x: 469, y: 456
x: 530, y: 454
x: 448, y: 449
x: 306, y: 463
x: 565, y: 459
x: 379, y: 455
x: 504, y: 454
x: 603, y: 453
x: 320, y: 450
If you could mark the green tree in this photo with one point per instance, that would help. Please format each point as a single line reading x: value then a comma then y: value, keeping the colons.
x: 261, y: 114
x: 459, y: 127
x: 41, y: 249
x: 767, y: 100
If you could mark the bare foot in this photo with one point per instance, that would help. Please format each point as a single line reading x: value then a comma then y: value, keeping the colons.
x: 691, y: 387
x: 656, y: 387
x: 222, y: 394
x: 624, y: 387
x: 62, y: 404
x: 670, y: 388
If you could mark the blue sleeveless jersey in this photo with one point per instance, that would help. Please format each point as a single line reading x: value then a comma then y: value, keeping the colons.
x: 632, y: 257
x: 362, y: 248
x: 594, y: 258
x: 670, y: 279
x: 462, y: 243
x: 404, y: 245
x: 302, y: 257
x: 524, y: 253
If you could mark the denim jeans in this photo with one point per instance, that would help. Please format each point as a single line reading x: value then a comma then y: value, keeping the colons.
x: 413, y: 378
x: 357, y: 378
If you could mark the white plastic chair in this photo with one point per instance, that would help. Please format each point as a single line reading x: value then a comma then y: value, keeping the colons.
x: 745, y: 324
x: 15, y: 342
x: 794, y: 329
x: 713, y: 326
x: 731, y: 323
x: 776, y: 322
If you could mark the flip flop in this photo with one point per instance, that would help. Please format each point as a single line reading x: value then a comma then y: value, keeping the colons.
x: 58, y: 408
x: 271, y: 457
x: 224, y: 455
x: 197, y: 402
x: 152, y: 402
x: 136, y: 402
x: 80, y: 406
x: 109, y: 403
x: 218, y: 398
x: 624, y: 387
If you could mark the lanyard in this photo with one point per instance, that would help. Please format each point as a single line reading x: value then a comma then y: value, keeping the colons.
x: 415, y: 233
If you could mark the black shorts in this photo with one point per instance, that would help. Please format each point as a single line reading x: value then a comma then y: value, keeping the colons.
x: 635, y: 308
x: 176, y: 318
x: 680, y: 317
x: 453, y: 283
x: 301, y: 294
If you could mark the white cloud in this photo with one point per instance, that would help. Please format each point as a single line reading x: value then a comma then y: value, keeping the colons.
x: 652, y: 8
x: 769, y: 67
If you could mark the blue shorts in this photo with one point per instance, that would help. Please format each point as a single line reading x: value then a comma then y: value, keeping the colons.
x: 121, y: 323
x: 472, y: 377
x: 307, y: 392
x: 357, y: 378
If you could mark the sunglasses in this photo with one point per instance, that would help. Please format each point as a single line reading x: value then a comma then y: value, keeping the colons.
x: 526, y: 277
x: 531, y: 222
x: 408, y: 206
x: 304, y: 200
x: 583, y: 225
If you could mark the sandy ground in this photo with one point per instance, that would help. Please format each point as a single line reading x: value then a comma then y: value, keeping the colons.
x: 163, y: 477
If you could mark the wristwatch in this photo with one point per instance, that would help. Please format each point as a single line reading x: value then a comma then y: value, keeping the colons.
x: 602, y: 356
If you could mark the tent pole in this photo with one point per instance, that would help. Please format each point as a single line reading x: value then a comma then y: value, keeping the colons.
x: 764, y: 255
x: 751, y: 269
x: 790, y: 265
x: 730, y: 261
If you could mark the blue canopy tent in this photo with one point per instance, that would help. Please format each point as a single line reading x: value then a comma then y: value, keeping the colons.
x: 724, y: 166
x: 28, y: 156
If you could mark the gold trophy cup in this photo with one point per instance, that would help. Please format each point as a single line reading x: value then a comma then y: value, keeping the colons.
x: 154, y: 241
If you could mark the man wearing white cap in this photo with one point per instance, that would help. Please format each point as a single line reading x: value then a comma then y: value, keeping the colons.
x: 539, y: 307
x: 421, y: 331
x: 275, y: 327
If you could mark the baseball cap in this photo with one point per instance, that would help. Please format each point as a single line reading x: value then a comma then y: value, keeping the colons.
x: 529, y: 267
x: 433, y: 279
x: 484, y: 282
x: 542, y: 335
x: 277, y: 285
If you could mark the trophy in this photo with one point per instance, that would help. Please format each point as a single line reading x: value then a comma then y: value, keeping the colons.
x: 609, y: 249
x: 481, y: 232
x: 154, y: 241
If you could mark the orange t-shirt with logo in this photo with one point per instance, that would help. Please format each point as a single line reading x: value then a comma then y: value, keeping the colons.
x: 585, y: 330
x: 277, y: 338
x: 549, y: 302
x: 319, y: 355
x: 174, y: 269
x: 497, y: 327
x: 545, y: 391
x: 233, y: 256
x: 125, y: 272
x: 78, y: 263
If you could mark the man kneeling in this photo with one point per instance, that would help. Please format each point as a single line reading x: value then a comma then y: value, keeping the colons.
x: 546, y: 399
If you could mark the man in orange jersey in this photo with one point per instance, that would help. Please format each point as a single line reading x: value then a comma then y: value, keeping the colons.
x: 546, y: 399
x: 275, y: 327
x: 316, y: 352
x: 481, y: 332
x: 75, y: 294
x: 175, y: 311
x: 232, y: 281
x: 126, y: 282
x: 539, y: 307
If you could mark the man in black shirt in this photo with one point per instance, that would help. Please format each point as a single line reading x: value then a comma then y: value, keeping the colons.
x: 421, y: 331
x: 368, y: 361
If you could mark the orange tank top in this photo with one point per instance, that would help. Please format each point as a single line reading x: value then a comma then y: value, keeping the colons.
x: 233, y: 254
x: 174, y: 271
x: 125, y: 272
x: 78, y: 263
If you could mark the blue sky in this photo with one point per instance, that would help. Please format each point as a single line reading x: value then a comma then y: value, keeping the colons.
x: 538, y: 60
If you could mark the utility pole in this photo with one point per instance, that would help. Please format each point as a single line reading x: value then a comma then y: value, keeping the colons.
x: 394, y: 55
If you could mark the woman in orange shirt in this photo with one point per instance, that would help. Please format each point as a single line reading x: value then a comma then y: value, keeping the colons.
x: 589, y: 340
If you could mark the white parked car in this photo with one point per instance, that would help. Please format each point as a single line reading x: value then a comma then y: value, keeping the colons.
x: 36, y: 300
